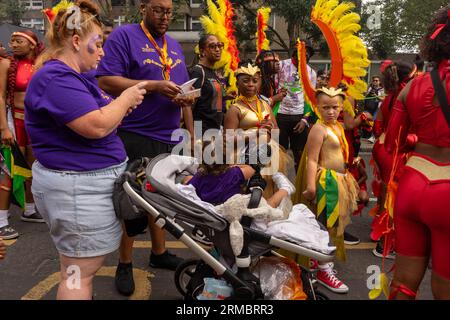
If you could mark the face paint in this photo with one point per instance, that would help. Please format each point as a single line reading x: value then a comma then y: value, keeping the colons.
x: 92, y: 44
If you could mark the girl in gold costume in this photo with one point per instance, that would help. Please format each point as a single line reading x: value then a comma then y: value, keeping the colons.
x: 252, y: 113
x: 330, y: 189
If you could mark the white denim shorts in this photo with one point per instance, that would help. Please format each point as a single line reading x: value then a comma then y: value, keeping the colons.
x: 78, y: 208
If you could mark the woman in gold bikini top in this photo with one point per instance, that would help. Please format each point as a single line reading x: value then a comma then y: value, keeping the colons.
x: 248, y: 117
x: 249, y: 111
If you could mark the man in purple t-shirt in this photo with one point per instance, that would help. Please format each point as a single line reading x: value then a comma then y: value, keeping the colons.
x: 133, y: 53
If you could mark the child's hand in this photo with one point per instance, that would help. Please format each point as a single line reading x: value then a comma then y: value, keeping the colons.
x: 309, y: 194
x: 2, y: 249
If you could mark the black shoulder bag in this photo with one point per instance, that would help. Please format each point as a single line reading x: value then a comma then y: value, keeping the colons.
x: 441, y: 94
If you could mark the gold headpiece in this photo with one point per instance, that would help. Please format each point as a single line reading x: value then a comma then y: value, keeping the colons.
x: 249, y: 70
x: 331, y: 92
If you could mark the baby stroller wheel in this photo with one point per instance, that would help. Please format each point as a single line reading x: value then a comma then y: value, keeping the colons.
x: 183, y: 275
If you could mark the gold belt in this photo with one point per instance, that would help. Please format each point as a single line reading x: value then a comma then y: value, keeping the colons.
x: 429, y: 169
x: 19, y: 115
x: 382, y: 138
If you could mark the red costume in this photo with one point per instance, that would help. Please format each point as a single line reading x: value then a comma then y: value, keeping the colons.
x: 23, y: 77
x: 422, y: 219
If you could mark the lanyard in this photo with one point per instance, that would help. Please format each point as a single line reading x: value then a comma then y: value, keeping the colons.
x: 258, y: 107
x: 162, y: 53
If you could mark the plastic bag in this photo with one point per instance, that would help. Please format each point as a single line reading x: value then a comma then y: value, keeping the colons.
x: 215, y: 289
x: 280, y: 279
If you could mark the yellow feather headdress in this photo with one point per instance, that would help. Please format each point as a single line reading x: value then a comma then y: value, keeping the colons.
x: 51, y: 13
x: 219, y: 22
x: 349, y: 58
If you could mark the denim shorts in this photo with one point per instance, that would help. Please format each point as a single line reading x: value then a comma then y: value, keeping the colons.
x: 78, y: 208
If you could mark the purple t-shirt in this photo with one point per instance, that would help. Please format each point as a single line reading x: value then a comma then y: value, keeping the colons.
x: 218, y: 189
x: 56, y: 96
x: 130, y: 54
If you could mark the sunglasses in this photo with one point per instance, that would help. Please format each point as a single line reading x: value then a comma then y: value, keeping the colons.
x: 214, y: 46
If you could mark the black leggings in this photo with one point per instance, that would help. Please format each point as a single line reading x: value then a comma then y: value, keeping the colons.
x: 138, y: 146
x: 290, y: 139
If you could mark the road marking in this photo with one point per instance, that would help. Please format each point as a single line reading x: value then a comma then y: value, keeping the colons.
x: 169, y: 245
x: 361, y: 246
x: 9, y: 242
x: 141, y: 280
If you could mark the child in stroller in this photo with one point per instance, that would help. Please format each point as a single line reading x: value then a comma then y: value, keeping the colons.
x: 159, y: 194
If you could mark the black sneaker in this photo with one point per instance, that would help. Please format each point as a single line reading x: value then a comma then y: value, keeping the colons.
x: 378, y: 251
x: 350, y: 239
x: 124, y: 279
x: 199, y: 236
x: 166, y: 260
x: 7, y: 233
x: 35, y: 217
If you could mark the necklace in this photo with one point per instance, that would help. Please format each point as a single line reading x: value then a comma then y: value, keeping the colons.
x: 258, y: 110
x: 162, y: 52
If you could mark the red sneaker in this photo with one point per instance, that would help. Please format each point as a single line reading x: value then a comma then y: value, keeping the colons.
x: 328, y: 279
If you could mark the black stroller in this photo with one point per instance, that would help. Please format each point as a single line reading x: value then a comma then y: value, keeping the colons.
x: 150, y: 187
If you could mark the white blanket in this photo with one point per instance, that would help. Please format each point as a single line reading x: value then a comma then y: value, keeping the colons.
x: 301, y: 227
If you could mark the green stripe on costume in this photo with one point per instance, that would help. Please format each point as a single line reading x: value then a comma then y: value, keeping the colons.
x: 328, y: 196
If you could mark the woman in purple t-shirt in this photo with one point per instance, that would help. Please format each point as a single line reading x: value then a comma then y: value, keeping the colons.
x: 72, y: 125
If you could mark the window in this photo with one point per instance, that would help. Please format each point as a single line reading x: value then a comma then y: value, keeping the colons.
x: 178, y: 24
x: 33, y: 4
x: 37, y: 24
x: 195, y: 24
x: 118, y: 21
x: 195, y: 3
x: 272, y: 21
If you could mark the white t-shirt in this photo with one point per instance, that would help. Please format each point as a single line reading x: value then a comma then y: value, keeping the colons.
x: 293, y: 103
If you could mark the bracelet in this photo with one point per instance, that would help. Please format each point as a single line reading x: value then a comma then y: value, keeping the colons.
x: 306, y: 122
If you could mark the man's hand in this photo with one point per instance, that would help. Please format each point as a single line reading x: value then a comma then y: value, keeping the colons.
x: 185, y: 102
x: 280, y: 95
x: 168, y: 88
x: 300, y: 126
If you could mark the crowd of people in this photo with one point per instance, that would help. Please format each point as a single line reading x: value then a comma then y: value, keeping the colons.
x: 111, y: 96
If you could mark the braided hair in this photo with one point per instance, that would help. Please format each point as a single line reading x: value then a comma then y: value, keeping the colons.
x: 12, y: 70
x: 263, y: 61
x: 438, y: 48
x: 395, y: 74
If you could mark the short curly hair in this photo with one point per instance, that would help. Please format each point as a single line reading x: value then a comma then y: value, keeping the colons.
x: 438, y: 49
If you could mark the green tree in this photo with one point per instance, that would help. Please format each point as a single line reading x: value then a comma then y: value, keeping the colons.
x: 402, y: 24
x: 11, y: 10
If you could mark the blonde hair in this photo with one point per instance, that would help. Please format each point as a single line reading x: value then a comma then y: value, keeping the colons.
x: 59, y: 30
